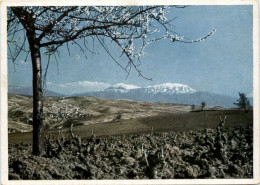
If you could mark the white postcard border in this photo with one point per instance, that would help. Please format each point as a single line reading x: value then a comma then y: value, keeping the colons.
x: 4, y: 86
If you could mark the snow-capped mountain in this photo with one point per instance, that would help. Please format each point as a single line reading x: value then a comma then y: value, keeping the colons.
x: 122, y: 88
x: 169, y: 88
x: 164, y: 93
x: 166, y: 88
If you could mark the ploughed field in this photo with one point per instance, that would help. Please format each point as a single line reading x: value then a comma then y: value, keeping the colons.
x: 123, y: 139
x: 208, y: 153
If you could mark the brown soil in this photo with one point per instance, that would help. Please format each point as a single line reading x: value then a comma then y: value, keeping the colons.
x: 208, y: 153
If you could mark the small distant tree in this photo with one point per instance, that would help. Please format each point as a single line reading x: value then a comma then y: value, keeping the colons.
x: 192, y: 107
x: 203, y: 104
x: 243, y: 102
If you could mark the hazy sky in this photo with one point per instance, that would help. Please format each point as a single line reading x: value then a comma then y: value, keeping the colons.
x: 223, y: 63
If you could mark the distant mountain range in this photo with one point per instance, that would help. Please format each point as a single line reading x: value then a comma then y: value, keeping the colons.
x: 27, y: 91
x: 164, y: 93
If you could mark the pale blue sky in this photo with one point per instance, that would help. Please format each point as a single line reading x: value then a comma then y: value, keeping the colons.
x: 223, y: 63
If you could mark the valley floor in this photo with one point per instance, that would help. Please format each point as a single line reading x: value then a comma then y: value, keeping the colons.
x: 165, y: 122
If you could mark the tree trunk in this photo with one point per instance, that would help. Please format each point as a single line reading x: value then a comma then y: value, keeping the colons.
x: 27, y: 20
x: 38, y: 134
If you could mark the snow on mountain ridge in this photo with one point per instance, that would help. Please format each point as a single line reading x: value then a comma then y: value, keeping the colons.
x: 125, y: 86
x: 169, y: 88
x: 121, y: 87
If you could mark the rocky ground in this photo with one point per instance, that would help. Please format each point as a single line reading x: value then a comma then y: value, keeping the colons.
x: 207, y: 153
